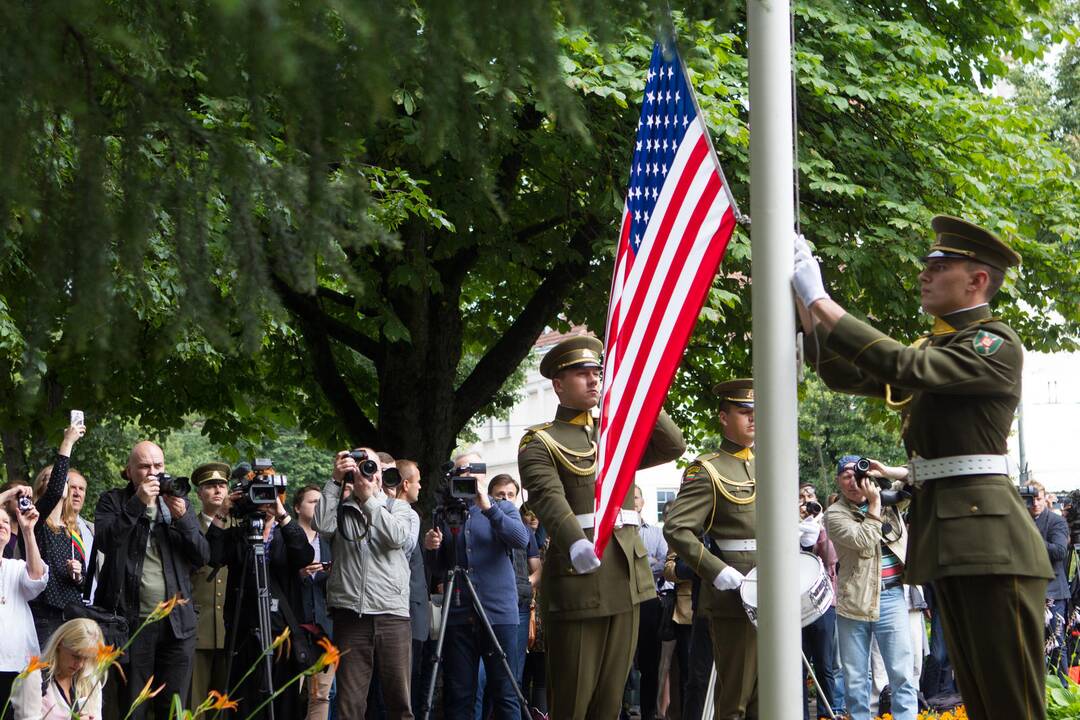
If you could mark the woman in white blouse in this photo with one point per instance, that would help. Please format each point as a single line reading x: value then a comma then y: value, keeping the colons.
x: 73, y: 685
x: 20, y: 582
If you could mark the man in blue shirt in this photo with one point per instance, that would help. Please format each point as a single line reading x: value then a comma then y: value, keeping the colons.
x: 482, y: 546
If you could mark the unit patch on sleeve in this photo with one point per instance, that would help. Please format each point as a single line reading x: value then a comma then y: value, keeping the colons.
x: 987, y: 343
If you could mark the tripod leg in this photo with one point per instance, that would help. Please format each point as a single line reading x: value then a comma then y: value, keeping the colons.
x: 494, y: 640
x: 820, y: 692
x: 429, y: 694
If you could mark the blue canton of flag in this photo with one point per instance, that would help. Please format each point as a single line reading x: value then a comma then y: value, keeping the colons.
x: 666, y: 113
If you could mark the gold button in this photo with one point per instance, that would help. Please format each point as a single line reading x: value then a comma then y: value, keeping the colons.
x: 974, y: 508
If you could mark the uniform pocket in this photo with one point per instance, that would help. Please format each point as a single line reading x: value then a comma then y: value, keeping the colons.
x: 973, y: 525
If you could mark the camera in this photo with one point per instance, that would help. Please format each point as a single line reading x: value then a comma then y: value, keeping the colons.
x: 462, y: 483
x: 368, y: 467
x: 812, y: 507
x: 391, y: 478
x: 24, y: 503
x: 1028, y: 494
x: 889, y: 496
x: 170, y: 486
x: 258, y: 484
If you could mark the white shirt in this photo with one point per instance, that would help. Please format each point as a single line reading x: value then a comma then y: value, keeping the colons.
x: 16, y: 591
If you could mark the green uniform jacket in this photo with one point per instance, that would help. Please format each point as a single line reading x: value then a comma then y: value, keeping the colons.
x: 209, y: 599
x: 718, y: 497
x: 560, y: 476
x: 957, y: 390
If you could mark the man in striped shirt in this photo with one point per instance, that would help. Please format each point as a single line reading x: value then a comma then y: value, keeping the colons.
x: 871, y: 545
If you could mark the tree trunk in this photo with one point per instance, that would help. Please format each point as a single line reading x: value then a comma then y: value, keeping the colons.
x: 15, y: 462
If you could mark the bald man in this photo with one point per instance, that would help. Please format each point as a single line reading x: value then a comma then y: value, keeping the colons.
x: 151, y: 544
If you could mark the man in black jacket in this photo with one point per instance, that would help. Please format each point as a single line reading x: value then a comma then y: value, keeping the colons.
x: 1055, y: 533
x: 151, y: 544
x: 287, y: 552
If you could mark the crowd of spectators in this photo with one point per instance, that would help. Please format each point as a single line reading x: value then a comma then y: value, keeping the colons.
x: 355, y: 562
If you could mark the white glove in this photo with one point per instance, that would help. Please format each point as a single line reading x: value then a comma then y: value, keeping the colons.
x: 583, y: 557
x: 728, y: 579
x: 809, y: 531
x: 807, y: 278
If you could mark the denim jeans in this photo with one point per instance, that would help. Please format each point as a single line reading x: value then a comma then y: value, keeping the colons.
x: 464, y: 647
x: 893, y: 637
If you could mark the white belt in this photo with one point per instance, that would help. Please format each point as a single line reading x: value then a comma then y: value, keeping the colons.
x: 625, y: 517
x: 922, y: 470
x: 736, y: 545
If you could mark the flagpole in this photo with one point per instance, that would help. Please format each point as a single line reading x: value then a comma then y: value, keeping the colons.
x: 776, y: 447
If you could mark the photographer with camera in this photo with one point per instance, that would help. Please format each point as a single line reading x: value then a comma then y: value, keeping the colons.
x: 1055, y: 533
x: 261, y: 515
x: 368, y: 591
x: 473, y: 532
x: 151, y: 543
x: 870, y: 538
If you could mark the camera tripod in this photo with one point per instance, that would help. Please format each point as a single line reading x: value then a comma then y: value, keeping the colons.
x: 455, y: 575
x: 256, y: 552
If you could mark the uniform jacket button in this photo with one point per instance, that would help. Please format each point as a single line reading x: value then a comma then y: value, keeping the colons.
x: 974, y: 508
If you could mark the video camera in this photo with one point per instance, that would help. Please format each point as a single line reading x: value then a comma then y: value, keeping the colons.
x: 460, y: 486
x: 170, y: 486
x: 889, y: 496
x: 1028, y: 494
x: 259, y: 486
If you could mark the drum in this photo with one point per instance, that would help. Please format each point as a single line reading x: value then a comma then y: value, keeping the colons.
x: 815, y: 590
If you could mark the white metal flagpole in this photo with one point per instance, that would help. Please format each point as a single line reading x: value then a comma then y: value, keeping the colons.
x: 776, y: 406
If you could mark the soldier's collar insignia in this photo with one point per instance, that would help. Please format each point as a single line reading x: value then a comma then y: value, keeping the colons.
x: 941, y: 327
x: 744, y: 454
x: 584, y: 418
x: 987, y: 343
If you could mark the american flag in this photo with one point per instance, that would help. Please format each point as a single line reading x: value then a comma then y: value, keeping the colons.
x: 677, y: 220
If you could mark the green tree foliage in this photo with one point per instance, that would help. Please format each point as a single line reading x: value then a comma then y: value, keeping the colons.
x: 356, y: 217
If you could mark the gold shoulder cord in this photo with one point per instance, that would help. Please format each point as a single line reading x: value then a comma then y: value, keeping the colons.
x: 718, y: 481
x: 559, y: 452
x: 897, y: 404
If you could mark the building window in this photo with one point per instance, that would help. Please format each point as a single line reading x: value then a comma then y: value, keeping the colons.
x: 663, y: 497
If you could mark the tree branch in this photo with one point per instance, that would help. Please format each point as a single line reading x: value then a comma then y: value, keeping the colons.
x: 304, y: 307
x: 514, y: 345
x: 327, y: 373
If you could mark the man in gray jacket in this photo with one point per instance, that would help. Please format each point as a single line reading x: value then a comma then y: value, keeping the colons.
x: 368, y: 589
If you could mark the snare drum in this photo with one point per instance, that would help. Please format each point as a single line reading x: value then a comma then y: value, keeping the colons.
x: 815, y: 590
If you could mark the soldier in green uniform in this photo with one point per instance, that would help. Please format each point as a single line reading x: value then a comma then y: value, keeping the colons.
x: 717, y: 498
x: 589, y: 607
x: 957, y: 389
x: 208, y: 670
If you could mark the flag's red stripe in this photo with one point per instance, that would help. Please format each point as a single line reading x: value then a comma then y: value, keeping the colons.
x: 657, y: 312
x: 670, y: 359
x: 686, y: 242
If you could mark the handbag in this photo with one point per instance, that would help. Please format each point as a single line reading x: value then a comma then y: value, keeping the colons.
x: 114, y: 627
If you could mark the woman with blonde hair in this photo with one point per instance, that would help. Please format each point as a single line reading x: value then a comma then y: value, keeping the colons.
x: 59, y: 541
x: 74, y: 688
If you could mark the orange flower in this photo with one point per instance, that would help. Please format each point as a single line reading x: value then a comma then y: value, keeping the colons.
x: 34, y: 665
x: 282, y: 640
x: 107, y: 657
x: 219, y: 701
x: 331, y: 656
x: 145, y: 694
x: 165, y: 607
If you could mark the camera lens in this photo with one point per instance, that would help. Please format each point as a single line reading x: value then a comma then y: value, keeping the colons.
x: 862, y: 466
x: 25, y: 503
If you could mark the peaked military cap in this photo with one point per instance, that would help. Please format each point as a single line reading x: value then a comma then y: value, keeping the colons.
x: 213, y: 472
x: 958, y: 238
x: 739, y: 391
x: 578, y: 351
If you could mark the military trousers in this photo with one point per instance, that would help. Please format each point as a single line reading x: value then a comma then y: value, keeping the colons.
x: 734, y: 641
x: 588, y: 662
x: 993, y: 626
x: 207, y: 673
